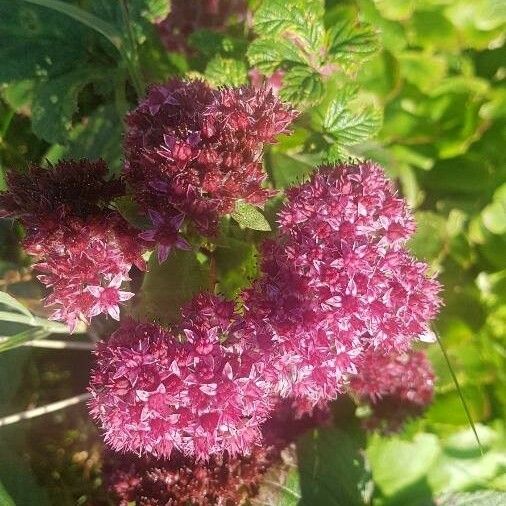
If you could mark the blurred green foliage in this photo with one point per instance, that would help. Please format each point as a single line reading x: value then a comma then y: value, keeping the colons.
x: 417, y: 85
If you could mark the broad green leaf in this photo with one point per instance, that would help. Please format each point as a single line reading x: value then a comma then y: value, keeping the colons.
x: 300, y: 20
x: 349, y: 41
x: 397, y: 464
x: 269, y: 54
x: 84, y: 17
x: 237, y: 265
x: 494, y: 215
x: 249, y: 216
x: 480, y: 498
x: 302, y: 86
x: 10, y: 301
x: 98, y: 136
x: 37, y: 42
x: 333, y: 470
x: 351, y: 127
x: 226, y: 72
x: 290, y: 168
x: 167, y: 286
x: 422, y: 70
x: 55, y: 103
x: 10, y: 342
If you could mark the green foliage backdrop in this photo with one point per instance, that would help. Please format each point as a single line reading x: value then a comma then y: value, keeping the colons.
x: 417, y: 85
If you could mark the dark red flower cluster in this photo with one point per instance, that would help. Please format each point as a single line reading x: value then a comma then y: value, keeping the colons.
x: 194, y: 151
x: 200, y: 391
x: 187, y: 16
x: 337, y: 281
x: 222, y: 480
x: 84, y: 248
x: 397, y: 387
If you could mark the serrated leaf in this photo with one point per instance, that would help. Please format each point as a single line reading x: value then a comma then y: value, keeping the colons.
x: 269, y: 54
x: 300, y: 20
x: 350, y: 127
x: 350, y: 41
x: 55, y: 103
x: 280, y: 486
x: 249, y: 216
x: 302, y: 86
x: 226, y: 71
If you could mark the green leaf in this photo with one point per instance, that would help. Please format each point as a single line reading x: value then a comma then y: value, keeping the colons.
x: 280, y: 486
x: 481, y: 498
x: 494, y: 215
x: 268, y: 55
x: 349, y: 41
x: 5, y: 498
x: 10, y: 301
x: 10, y: 342
x: 36, y: 42
x: 332, y: 467
x: 397, y: 464
x: 351, y: 127
x: 236, y: 263
x: 98, y: 136
x: 302, y: 86
x: 226, y: 71
x: 167, y: 286
x: 249, y: 216
x: 55, y: 103
x: 84, y: 17
x: 300, y: 19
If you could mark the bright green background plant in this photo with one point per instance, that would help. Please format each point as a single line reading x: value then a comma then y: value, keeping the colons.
x: 417, y: 85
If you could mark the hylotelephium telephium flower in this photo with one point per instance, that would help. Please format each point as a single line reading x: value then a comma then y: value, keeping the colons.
x: 397, y: 387
x: 198, y: 390
x: 84, y: 248
x: 194, y: 151
x: 337, y: 281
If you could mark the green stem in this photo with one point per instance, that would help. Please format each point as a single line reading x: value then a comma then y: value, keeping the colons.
x: 459, y: 391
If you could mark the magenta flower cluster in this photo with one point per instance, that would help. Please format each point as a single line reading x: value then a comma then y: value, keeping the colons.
x: 84, y: 248
x: 336, y: 282
x: 397, y: 387
x: 223, y: 480
x: 193, y: 151
x: 153, y: 393
x: 337, y: 285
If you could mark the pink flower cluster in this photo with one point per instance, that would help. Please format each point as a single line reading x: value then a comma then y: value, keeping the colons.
x: 336, y: 282
x: 194, y: 151
x: 200, y: 391
x: 84, y: 248
x: 223, y: 480
x: 397, y: 387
